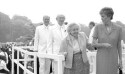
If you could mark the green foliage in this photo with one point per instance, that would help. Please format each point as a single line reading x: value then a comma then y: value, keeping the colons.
x: 12, y: 29
x: 123, y: 29
x: 5, y: 28
x: 21, y: 27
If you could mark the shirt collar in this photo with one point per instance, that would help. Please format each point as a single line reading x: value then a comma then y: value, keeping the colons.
x: 46, y: 27
x: 63, y: 26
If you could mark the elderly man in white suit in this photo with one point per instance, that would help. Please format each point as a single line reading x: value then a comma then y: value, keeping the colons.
x: 58, y: 34
x: 42, y: 44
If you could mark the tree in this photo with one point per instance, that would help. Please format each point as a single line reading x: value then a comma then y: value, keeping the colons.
x: 5, y: 28
x: 85, y: 29
x: 20, y: 26
x: 123, y: 29
x: 21, y: 19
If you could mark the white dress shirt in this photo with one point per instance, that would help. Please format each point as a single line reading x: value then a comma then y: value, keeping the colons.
x: 42, y: 39
x: 58, y: 34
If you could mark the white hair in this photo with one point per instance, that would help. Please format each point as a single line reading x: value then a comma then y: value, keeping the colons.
x: 70, y: 26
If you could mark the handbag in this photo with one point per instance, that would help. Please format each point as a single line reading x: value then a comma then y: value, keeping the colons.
x: 120, y: 71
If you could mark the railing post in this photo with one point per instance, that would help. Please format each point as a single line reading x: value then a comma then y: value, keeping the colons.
x: 17, y: 61
x: 60, y: 71
x: 25, y: 63
x: 12, y: 70
x: 35, y: 64
x: 92, y: 61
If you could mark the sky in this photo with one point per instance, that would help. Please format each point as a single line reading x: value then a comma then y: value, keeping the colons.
x: 78, y: 11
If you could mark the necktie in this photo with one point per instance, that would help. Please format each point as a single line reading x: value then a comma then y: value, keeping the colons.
x: 61, y: 30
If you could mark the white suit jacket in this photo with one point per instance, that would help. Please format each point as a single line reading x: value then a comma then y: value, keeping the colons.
x: 90, y: 35
x: 57, y: 36
x: 42, y: 39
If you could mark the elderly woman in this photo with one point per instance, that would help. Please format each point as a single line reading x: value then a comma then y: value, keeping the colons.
x: 73, y: 47
x: 108, y: 46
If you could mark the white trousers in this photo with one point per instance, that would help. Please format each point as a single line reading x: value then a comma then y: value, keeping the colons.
x: 55, y: 66
x: 44, y: 66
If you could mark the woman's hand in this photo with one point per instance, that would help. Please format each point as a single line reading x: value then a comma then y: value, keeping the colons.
x: 120, y: 64
x: 63, y: 53
x: 107, y: 45
x: 102, y: 45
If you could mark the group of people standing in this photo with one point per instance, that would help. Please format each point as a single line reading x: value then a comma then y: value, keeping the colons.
x: 48, y: 40
x: 69, y: 41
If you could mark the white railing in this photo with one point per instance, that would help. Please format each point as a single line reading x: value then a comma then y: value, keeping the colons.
x: 25, y: 60
x: 55, y: 57
x: 58, y: 58
x: 92, y: 61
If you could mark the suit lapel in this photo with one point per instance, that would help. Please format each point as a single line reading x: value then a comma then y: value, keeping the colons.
x: 82, y: 41
x: 69, y: 41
